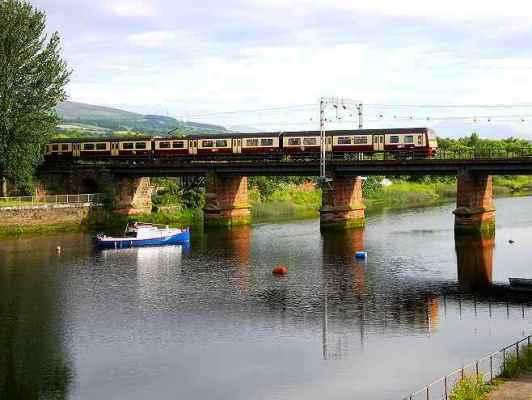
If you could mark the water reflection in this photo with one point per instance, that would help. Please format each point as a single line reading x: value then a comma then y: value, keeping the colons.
x: 34, y: 363
x: 474, y: 257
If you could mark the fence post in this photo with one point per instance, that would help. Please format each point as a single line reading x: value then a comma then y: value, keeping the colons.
x: 428, y: 392
x: 445, y: 386
x: 476, y: 368
x: 462, y: 373
x: 503, y: 359
x: 517, y: 350
x: 491, y: 367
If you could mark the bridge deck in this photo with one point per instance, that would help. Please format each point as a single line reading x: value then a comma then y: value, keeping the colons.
x: 433, y: 166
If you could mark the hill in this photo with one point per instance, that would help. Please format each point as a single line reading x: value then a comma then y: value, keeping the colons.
x: 88, y: 119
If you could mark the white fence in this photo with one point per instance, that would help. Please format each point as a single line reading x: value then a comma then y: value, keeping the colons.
x: 90, y: 198
x: 486, y: 368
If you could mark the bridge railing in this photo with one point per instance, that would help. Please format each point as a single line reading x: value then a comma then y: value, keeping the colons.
x: 485, y: 368
x: 458, y: 154
x: 19, y: 201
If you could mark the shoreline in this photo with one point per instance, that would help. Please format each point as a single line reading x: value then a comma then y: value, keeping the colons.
x: 264, y: 212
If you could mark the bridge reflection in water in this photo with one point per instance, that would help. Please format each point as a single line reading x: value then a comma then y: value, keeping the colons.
x: 350, y: 299
x: 474, y: 261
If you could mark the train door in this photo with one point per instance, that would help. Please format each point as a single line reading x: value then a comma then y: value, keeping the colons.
x: 114, y: 149
x: 378, y: 142
x: 237, y: 146
x: 76, y: 149
x: 193, y: 146
x: 329, y: 143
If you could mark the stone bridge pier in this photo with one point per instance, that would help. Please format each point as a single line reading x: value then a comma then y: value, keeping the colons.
x: 342, y: 206
x: 475, y: 212
x: 226, y: 201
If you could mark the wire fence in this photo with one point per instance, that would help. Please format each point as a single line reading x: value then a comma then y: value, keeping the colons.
x: 20, y: 201
x: 486, y: 368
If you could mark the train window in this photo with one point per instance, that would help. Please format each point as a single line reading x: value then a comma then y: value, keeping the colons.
x: 394, y: 139
x: 309, y: 141
x: 55, y: 147
x: 207, y: 143
x: 101, y: 146
x: 128, y: 146
x: 88, y: 146
x: 420, y: 139
x: 409, y: 139
x: 140, y: 145
x: 294, y: 141
x: 64, y: 147
x: 252, y: 142
x: 221, y: 143
x: 344, y: 140
x: 360, y: 140
x: 164, y: 145
x: 266, y: 142
x: 178, y: 145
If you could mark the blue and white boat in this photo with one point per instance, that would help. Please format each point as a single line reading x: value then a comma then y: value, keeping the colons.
x: 142, y: 234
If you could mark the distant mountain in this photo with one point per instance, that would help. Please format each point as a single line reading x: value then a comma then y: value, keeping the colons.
x: 99, y: 120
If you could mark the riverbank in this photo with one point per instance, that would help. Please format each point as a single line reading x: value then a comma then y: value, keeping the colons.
x: 286, y: 201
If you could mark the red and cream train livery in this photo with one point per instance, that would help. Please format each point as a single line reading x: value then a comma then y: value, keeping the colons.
x: 420, y: 142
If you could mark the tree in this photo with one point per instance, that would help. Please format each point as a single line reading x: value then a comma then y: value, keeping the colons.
x: 33, y: 77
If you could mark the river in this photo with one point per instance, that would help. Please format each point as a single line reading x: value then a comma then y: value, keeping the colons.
x: 212, y: 322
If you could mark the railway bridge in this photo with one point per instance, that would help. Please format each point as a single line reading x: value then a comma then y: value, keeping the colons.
x: 342, y: 203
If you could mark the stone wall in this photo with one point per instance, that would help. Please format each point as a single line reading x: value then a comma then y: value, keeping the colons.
x: 31, y: 216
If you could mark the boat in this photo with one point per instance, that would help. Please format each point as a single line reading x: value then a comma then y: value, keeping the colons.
x: 520, y: 283
x: 143, y: 234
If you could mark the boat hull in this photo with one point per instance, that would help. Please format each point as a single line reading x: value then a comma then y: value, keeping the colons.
x: 520, y: 282
x: 126, y: 243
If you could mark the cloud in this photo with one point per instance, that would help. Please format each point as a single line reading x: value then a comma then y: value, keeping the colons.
x: 210, y: 56
x: 151, y: 39
x: 132, y: 8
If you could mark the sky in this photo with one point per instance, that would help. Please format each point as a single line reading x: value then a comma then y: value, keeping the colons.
x: 190, y: 58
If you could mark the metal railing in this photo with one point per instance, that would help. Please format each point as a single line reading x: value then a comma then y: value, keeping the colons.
x: 19, y: 201
x: 450, y: 155
x: 486, y: 368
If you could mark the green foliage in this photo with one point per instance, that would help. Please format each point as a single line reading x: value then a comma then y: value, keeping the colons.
x: 475, y: 144
x: 471, y: 388
x: 171, y: 193
x: 285, y: 199
x: 32, y: 80
x: 513, y: 366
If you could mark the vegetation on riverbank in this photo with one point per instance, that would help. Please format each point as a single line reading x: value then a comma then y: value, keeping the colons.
x: 19, y: 230
x: 475, y: 388
x: 471, y: 388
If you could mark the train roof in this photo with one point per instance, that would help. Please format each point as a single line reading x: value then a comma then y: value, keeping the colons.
x: 228, y: 135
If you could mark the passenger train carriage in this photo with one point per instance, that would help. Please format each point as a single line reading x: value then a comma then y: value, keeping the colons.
x: 417, y: 142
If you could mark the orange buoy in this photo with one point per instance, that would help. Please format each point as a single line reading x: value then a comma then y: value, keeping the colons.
x: 280, y: 270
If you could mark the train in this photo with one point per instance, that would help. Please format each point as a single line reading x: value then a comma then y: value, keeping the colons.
x: 403, y: 142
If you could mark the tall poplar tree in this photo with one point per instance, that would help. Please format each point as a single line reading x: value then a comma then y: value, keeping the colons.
x: 33, y: 77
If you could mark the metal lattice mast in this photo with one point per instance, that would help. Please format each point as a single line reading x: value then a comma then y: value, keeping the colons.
x: 339, y: 105
x: 323, y: 144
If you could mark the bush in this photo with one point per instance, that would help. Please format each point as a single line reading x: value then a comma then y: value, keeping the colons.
x: 470, y: 388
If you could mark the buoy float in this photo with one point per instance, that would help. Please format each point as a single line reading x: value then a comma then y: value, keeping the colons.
x: 280, y: 270
x: 361, y: 255
x: 58, y: 249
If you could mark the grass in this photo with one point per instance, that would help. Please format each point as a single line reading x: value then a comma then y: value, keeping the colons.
x: 471, y: 388
x: 14, y: 231
x: 474, y: 388
x: 288, y: 201
x: 513, y: 366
